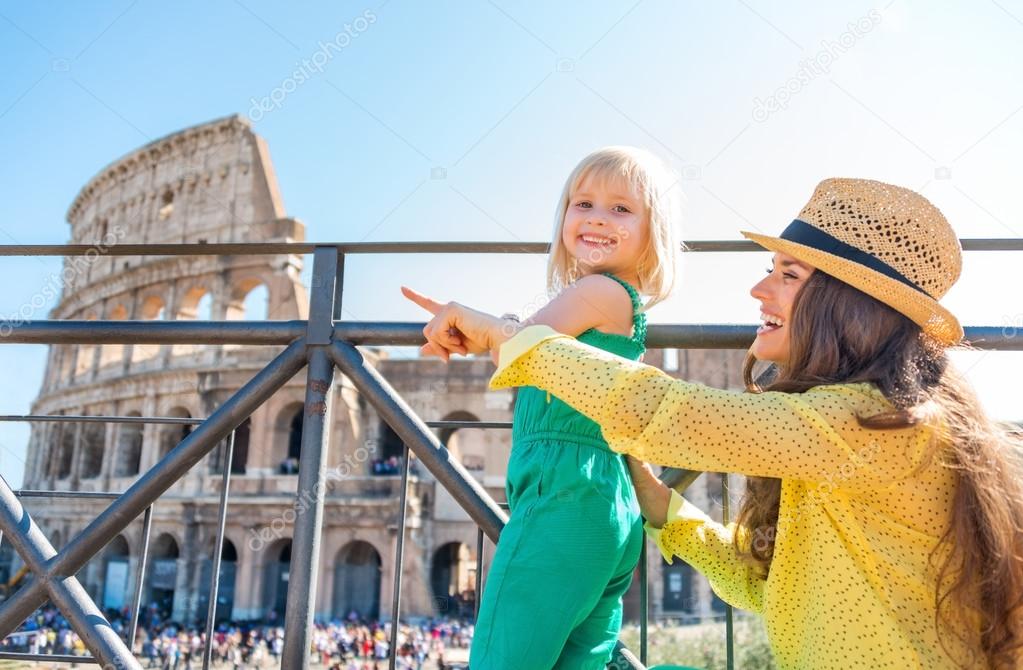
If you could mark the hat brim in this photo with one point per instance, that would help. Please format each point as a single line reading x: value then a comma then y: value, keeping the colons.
x: 923, y: 310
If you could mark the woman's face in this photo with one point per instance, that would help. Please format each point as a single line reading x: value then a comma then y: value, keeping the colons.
x: 777, y: 293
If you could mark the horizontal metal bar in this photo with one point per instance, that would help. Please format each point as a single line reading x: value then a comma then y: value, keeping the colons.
x: 388, y: 333
x: 82, y: 418
x: 45, y: 658
x: 195, y: 421
x: 469, y: 424
x: 276, y: 248
x: 95, y: 495
x: 273, y: 248
x: 659, y: 336
x: 410, y: 333
x: 78, y: 331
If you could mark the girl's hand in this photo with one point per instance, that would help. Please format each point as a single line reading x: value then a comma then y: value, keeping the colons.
x: 652, y: 493
x: 457, y: 329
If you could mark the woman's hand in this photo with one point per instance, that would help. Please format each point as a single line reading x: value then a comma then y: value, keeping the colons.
x: 652, y: 493
x: 457, y: 329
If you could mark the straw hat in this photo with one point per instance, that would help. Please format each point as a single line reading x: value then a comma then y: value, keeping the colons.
x: 887, y: 241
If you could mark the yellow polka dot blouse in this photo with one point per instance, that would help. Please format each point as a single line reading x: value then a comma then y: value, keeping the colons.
x: 850, y: 584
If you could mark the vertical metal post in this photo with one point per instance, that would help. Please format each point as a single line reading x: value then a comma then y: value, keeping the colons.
x: 136, y: 604
x: 305, y: 554
x: 399, y: 550
x: 218, y: 548
x: 729, y: 630
x: 644, y: 603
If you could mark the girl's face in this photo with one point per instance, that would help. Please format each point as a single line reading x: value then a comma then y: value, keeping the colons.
x: 605, y: 227
x: 777, y: 293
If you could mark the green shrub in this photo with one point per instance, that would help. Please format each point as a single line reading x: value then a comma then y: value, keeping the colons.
x: 703, y: 645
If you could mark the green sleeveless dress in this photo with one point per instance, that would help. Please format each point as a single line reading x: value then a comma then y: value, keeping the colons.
x: 553, y: 595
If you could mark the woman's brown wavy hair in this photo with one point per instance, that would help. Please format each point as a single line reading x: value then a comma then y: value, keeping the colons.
x: 839, y: 334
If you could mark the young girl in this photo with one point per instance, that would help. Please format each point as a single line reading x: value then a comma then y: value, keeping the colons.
x: 553, y: 595
x: 883, y: 521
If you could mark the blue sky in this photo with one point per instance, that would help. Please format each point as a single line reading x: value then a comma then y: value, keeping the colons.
x: 459, y: 120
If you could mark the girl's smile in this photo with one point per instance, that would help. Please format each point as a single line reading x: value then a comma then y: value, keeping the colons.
x: 605, y: 227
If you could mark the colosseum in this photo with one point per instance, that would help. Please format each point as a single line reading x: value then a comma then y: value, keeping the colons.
x: 215, y: 182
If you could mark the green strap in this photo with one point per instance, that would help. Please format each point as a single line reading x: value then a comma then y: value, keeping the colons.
x: 638, y: 317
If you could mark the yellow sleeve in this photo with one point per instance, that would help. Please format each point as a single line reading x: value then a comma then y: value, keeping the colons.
x: 812, y: 436
x: 707, y: 546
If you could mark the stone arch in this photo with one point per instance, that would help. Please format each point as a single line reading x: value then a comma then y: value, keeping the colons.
x: 468, y: 445
x: 357, y: 578
x: 129, y: 447
x: 453, y: 579
x: 276, y: 573
x: 153, y: 308
x: 172, y: 433
x: 116, y: 559
x: 66, y: 352
x: 240, y: 457
x: 287, y: 443
x: 226, y: 586
x: 93, y: 438
x: 85, y: 359
x: 66, y: 451
x: 166, y: 207
x: 162, y: 573
x: 249, y: 300
x: 195, y: 304
x: 391, y: 446
x: 113, y: 354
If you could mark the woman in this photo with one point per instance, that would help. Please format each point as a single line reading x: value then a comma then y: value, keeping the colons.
x: 883, y: 520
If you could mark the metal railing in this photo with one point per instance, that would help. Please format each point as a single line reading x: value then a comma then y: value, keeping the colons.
x: 321, y: 344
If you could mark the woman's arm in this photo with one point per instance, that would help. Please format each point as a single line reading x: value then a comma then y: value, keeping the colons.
x: 709, y: 547
x: 811, y: 436
x: 679, y: 529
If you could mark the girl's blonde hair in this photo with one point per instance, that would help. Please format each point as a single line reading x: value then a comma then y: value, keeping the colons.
x: 658, y: 190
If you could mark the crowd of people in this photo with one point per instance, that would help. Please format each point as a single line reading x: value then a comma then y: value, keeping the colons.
x: 353, y: 644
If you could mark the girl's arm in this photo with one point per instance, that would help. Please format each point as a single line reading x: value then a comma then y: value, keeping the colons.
x: 652, y: 493
x: 812, y: 436
x: 594, y: 301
